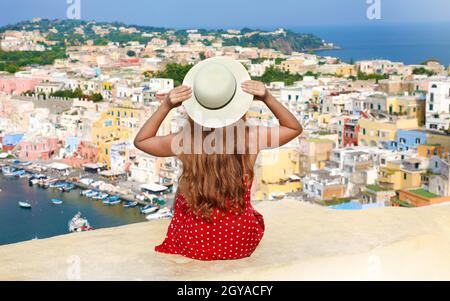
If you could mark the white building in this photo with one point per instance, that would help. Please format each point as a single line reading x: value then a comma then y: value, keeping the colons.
x: 438, y: 105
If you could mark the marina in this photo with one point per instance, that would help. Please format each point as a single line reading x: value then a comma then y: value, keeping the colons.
x: 49, y: 204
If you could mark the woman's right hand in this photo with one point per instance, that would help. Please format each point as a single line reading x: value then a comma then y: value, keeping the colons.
x: 177, y: 95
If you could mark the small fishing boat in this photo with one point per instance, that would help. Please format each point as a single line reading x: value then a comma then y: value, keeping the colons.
x: 91, y: 193
x: 164, y: 213
x: 112, y: 200
x: 25, y: 205
x: 149, y: 209
x: 66, y: 187
x: 100, y: 196
x: 8, y: 171
x: 19, y: 173
x: 79, y: 224
x: 85, y: 192
x: 57, y: 201
x: 130, y: 205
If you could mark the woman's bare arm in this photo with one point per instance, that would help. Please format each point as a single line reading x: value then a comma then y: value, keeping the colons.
x: 289, y: 127
x: 146, y: 139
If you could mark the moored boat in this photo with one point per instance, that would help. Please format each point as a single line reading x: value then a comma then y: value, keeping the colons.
x: 149, y: 209
x: 164, y: 213
x: 79, y: 224
x: 112, y: 200
x: 25, y: 205
x: 56, y: 201
x: 130, y: 205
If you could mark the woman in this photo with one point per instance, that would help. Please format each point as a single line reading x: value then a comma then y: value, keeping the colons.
x: 213, y: 217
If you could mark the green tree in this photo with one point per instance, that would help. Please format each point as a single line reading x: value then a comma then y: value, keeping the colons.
x: 175, y: 71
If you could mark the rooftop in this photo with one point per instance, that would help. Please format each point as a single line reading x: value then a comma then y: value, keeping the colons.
x: 423, y: 193
x: 302, y: 242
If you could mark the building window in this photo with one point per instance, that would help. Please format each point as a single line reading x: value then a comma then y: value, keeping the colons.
x: 418, y: 141
x: 405, y: 176
x: 430, y: 107
x: 431, y: 96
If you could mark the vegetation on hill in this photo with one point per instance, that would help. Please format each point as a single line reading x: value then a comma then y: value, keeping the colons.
x: 177, y: 72
x: 64, y: 33
x: 13, y: 61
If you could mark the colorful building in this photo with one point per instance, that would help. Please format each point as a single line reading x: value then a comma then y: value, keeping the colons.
x: 397, y: 175
x: 86, y: 152
x: 377, y: 132
x: 38, y: 148
x: 418, y: 198
x: 411, y: 106
x: 118, y: 124
x: 277, y: 172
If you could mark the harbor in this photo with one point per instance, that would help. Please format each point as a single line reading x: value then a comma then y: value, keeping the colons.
x: 38, y: 203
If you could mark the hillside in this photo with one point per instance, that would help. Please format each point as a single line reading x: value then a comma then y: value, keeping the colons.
x: 76, y: 32
x: 302, y: 242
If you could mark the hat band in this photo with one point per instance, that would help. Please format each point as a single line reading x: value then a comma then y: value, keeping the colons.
x: 224, y: 105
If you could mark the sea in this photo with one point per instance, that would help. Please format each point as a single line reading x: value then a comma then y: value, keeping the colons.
x: 46, y: 219
x: 407, y: 43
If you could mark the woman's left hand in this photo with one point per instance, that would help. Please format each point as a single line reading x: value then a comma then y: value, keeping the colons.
x: 256, y: 88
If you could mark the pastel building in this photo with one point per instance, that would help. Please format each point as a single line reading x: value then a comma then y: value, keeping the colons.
x: 397, y: 175
x: 10, y: 141
x: 38, y: 148
x: 438, y: 105
x: 314, y: 152
x: 17, y: 86
x: 411, y: 106
x: 438, y: 178
x: 277, y: 172
x: 323, y: 185
x: 85, y: 153
x: 376, y: 132
x: 418, y: 198
x: 407, y: 139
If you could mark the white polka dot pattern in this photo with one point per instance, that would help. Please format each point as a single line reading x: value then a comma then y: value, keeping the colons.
x: 228, y: 236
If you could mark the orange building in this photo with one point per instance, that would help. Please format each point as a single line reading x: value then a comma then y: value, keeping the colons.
x: 418, y: 198
x: 429, y: 150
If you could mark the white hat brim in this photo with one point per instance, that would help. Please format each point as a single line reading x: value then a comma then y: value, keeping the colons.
x: 233, y: 111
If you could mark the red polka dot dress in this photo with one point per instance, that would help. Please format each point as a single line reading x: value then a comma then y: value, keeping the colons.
x: 228, y: 236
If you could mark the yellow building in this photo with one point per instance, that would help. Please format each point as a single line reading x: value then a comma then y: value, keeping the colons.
x: 408, y: 106
x: 438, y: 139
x: 346, y: 70
x: 373, y: 132
x: 396, y: 177
x: 276, y: 173
x: 119, y: 123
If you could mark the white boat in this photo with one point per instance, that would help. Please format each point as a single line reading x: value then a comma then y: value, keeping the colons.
x: 149, y: 209
x: 79, y: 224
x: 100, y: 196
x: 164, y: 213
x: 85, y: 192
x: 25, y: 205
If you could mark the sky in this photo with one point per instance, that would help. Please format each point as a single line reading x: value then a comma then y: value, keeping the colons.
x: 231, y: 13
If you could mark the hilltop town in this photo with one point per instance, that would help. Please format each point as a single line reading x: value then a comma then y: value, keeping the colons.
x: 376, y: 132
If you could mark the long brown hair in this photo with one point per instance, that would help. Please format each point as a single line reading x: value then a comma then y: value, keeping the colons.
x: 215, y: 181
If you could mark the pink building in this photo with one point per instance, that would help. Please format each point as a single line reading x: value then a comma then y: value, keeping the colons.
x: 38, y: 149
x: 17, y: 86
x: 87, y: 152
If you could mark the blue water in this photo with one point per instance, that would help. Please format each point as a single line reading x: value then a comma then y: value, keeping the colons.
x: 47, y: 220
x: 408, y: 43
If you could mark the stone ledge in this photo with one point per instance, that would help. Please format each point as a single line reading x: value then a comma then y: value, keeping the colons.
x: 302, y: 242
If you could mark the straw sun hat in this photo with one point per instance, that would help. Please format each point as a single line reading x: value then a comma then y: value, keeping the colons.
x: 217, y: 99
